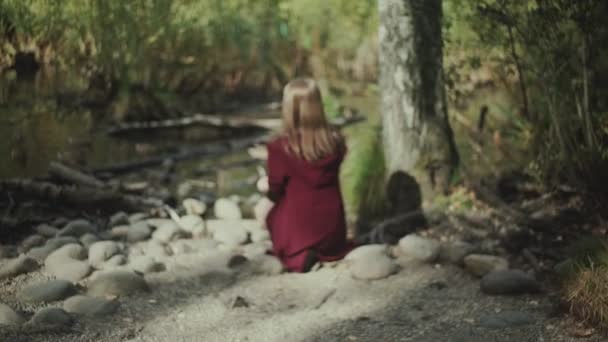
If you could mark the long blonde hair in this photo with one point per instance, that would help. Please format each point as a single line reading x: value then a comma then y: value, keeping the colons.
x: 308, y: 133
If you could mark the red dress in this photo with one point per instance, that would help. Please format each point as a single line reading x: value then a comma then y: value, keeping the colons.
x: 308, y: 212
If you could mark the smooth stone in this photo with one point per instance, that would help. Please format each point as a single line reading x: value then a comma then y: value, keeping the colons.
x: 262, y: 208
x: 267, y: 265
x: 116, y: 283
x: 50, y: 291
x: 373, y: 268
x: 69, y: 251
x: 156, y: 250
x: 51, y: 317
x: 20, y: 265
x: 455, y: 251
x: 227, y: 209
x: 114, y: 262
x: 139, y: 231
x: 101, y: 251
x: 145, y: 264
x: 254, y: 250
x: 88, y: 239
x: 194, y: 206
x: 189, y: 246
x: 158, y: 222
x: 259, y: 235
x: 31, y: 242
x: 8, y: 316
x: 231, y: 235
x: 41, y: 253
x: 418, y: 248
x: 509, y: 282
x: 366, y: 252
x: 77, y: 228
x: 193, y: 224
x: 59, y: 222
x: 138, y: 217
x: 120, y: 232
x: 46, y: 230
x: 480, y: 265
x: 118, y: 219
x: 90, y: 306
x: 506, y: 319
x: 167, y: 233
x: 70, y: 269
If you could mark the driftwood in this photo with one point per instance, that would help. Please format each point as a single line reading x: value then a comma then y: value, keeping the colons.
x: 83, y: 198
x: 73, y: 176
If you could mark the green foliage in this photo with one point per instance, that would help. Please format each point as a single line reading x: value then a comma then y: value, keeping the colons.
x: 186, y: 45
x: 550, y: 54
x: 363, y: 173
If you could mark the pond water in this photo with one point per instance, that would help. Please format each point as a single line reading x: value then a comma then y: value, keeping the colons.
x: 36, y: 130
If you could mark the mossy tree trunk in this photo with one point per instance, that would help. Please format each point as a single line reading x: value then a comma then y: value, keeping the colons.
x: 417, y: 136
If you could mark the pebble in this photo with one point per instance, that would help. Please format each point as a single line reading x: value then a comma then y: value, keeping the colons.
x: 262, y: 208
x: 46, y: 230
x: 88, y: 239
x: 50, y: 291
x: 231, y: 235
x: 114, y: 262
x: 156, y: 250
x: 418, y: 248
x: 137, y: 217
x: 77, y: 228
x: 41, y: 253
x: 8, y: 316
x: 455, y: 251
x: 20, y: 265
x: 118, y: 219
x: 367, y: 251
x: 373, y: 268
x: 167, y: 233
x: 90, y: 306
x: 227, y: 209
x: 194, y: 206
x: 116, y: 283
x: 145, y: 264
x: 509, y: 282
x: 101, y: 251
x: 480, y: 265
x: 32, y: 241
x: 193, y: 224
x: 187, y: 246
x: 139, y: 231
x: 52, y: 318
x: 259, y: 235
x: 267, y: 265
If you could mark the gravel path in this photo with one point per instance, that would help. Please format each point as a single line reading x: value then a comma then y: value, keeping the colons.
x: 212, y: 303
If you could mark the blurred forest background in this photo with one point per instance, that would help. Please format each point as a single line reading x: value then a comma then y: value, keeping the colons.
x: 526, y: 81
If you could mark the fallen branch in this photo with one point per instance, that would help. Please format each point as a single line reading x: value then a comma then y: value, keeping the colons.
x: 198, y: 119
x: 83, y: 198
x: 74, y: 176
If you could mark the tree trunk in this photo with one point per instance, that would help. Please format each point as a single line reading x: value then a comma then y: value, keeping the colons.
x: 417, y: 136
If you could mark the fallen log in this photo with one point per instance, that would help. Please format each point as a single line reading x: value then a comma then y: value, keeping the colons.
x: 74, y: 176
x: 217, y: 121
x: 82, y: 198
